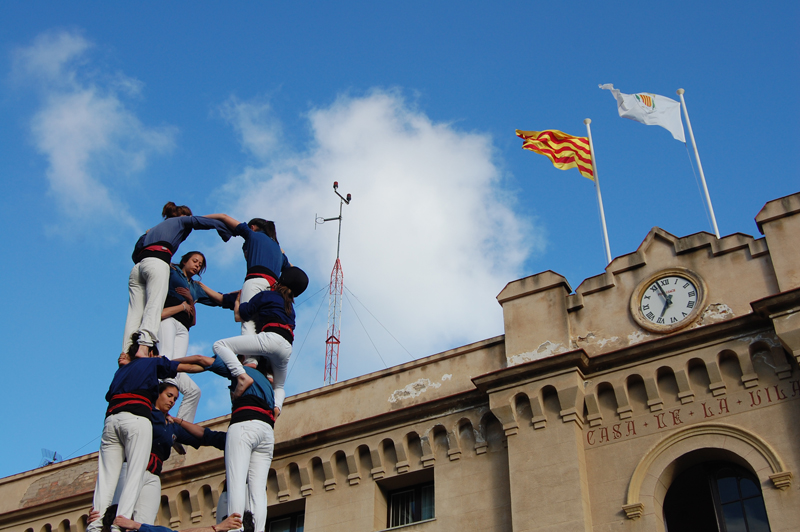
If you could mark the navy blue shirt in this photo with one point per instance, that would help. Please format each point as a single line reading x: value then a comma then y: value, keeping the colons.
x: 171, y: 232
x: 165, y: 434
x: 267, y: 308
x: 134, y: 388
x: 259, y: 396
x: 177, y: 279
x: 261, y: 252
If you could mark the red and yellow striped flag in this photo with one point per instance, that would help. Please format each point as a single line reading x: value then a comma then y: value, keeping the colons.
x: 564, y: 150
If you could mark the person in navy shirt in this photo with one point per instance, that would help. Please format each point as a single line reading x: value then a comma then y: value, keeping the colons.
x: 128, y: 430
x: 265, y: 258
x: 273, y: 313
x: 250, y: 441
x: 167, y: 431
x: 149, y: 279
x: 179, y: 315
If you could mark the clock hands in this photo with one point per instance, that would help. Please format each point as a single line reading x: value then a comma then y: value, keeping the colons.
x: 667, y: 303
x: 667, y: 299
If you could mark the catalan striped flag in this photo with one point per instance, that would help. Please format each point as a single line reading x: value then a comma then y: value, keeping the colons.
x: 564, y: 150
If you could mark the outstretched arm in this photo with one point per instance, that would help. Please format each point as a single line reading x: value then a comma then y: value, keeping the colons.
x: 195, y: 430
x: 215, y: 296
x: 194, y: 364
x: 224, y: 218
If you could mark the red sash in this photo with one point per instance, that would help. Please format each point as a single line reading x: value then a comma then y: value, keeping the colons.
x: 279, y: 325
x: 270, y: 279
x: 133, y: 400
x: 158, y: 247
x: 267, y: 413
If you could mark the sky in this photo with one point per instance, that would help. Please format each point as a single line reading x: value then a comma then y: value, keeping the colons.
x: 254, y: 109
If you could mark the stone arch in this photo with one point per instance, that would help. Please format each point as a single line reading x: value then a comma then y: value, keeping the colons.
x: 272, y: 486
x: 317, y: 474
x: 294, y: 481
x: 699, y: 378
x: 414, y: 447
x: 339, y: 463
x: 730, y: 367
x: 667, y: 385
x: 388, y: 454
x: 363, y: 458
x: 550, y: 403
x: 438, y: 437
x: 208, y: 500
x: 637, y: 393
x: 522, y: 408
x: 649, y: 482
x: 493, y: 433
x: 64, y: 526
x: 167, y: 511
x: 606, y: 399
x: 466, y: 435
x: 185, y: 507
x: 46, y: 528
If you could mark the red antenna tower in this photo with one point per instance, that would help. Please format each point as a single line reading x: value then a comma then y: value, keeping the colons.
x: 333, y: 336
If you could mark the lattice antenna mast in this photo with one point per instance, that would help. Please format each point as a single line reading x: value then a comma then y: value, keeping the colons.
x: 333, y: 335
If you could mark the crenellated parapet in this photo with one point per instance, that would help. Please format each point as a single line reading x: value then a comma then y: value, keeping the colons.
x: 543, y: 317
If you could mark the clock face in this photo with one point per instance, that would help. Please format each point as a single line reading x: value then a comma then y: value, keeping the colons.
x: 668, y: 301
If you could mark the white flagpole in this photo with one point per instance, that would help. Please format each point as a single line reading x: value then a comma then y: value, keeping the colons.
x: 597, y: 188
x: 699, y: 166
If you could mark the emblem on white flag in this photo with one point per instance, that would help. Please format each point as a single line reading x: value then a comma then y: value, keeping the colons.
x: 650, y: 109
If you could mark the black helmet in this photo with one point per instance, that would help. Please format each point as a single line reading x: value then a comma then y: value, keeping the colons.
x: 295, y: 279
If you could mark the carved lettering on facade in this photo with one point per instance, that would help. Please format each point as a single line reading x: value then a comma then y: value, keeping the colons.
x: 713, y: 408
x: 755, y: 400
x: 779, y: 393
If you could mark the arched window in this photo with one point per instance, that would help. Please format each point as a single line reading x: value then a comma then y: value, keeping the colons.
x: 715, y: 496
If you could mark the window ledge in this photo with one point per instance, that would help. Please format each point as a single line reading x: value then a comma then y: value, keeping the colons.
x: 409, y: 525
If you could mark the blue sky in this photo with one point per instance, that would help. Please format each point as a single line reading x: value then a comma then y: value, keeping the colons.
x: 109, y: 110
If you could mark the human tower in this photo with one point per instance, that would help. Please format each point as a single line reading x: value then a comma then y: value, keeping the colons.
x: 139, y: 434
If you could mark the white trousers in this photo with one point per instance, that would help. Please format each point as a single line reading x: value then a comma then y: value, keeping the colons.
x: 146, y: 508
x: 250, y: 288
x: 248, y: 455
x: 148, y: 285
x: 126, y: 437
x: 174, y: 343
x: 222, y: 506
x: 265, y: 344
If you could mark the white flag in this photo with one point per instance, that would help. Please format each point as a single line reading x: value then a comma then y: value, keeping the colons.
x: 650, y: 109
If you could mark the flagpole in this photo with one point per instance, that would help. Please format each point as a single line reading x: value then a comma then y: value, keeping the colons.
x: 597, y: 188
x: 699, y: 166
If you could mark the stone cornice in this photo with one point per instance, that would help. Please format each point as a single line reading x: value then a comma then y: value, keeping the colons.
x: 578, y: 359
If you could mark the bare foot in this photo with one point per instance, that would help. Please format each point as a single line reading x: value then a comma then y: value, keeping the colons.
x: 143, y: 351
x: 243, y: 382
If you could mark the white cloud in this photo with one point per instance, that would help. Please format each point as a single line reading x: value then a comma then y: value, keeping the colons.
x: 83, y: 127
x: 429, y: 240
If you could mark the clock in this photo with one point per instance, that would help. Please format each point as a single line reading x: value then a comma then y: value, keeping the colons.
x: 668, y: 300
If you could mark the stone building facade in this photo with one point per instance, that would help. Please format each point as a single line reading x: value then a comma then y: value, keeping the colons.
x: 591, y: 413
